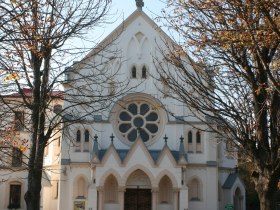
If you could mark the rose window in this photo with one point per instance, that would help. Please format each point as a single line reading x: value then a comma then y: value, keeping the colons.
x: 138, y: 117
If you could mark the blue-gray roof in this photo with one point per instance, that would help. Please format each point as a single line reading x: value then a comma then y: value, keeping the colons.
x: 101, y: 154
x: 230, y: 180
x: 154, y: 154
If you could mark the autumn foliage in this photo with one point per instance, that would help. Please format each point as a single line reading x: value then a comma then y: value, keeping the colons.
x: 234, y: 47
x: 36, y: 45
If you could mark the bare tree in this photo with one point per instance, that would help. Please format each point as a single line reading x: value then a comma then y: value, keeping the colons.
x: 37, y: 43
x: 234, y: 87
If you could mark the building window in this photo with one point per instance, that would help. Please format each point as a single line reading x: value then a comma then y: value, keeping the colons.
x: 86, y: 143
x: 190, y: 142
x: 190, y: 137
x: 15, y: 196
x: 86, y: 136
x: 138, y: 116
x: 111, y: 190
x: 16, y: 157
x: 165, y: 191
x: 80, y: 189
x: 5, y: 156
x: 19, y: 121
x: 195, y: 190
x: 144, y: 72
x: 78, y: 136
x: 57, y: 108
x: 198, y: 142
x: 198, y: 137
x: 133, y: 72
x: 78, y: 141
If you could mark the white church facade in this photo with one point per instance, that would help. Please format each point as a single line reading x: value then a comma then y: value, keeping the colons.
x: 135, y: 155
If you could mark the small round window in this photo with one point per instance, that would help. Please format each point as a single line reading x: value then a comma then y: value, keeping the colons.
x: 138, y: 118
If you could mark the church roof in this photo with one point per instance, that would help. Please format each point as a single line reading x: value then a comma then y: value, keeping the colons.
x: 155, y: 154
x: 230, y: 180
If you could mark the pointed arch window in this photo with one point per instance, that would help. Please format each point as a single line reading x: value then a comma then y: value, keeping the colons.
x: 78, y: 141
x: 133, y: 72
x: 165, y: 191
x: 80, y: 189
x: 198, y: 137
x: 190, y: 137
x: 86, y: 143
x: 78, y: 136
x: 144, y: 72
x: 111, y: 190
x: 190, y: 142
x: 195, y: 190
x: 86, y: 136
x: 198, y: 142
x: 238, y: 199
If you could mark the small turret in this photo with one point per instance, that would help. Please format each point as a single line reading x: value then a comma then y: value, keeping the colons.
x: 95, y: 151
x: 182, y: 153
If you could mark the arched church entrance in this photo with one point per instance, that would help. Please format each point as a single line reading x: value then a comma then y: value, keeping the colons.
x: 138, y: 194
x: 238, y: 199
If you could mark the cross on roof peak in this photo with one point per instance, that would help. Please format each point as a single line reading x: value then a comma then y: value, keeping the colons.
x: 182, y: 138
x: 165, y: 138
x: 139, y: 4
x: 112, y: 138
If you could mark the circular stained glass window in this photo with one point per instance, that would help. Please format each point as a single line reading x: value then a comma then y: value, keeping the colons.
x: 138, y: 119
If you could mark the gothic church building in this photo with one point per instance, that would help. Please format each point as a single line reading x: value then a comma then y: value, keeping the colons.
x: 167, y: 164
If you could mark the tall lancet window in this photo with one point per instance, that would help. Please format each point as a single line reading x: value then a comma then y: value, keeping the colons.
x: 78, y: 141
x: 144, y: 72
x: 86, y: 143
x: 198, y: 142
x: 86, y: 136
x: 190, y: 142
x: 78, y: 136
x: 133, y: 72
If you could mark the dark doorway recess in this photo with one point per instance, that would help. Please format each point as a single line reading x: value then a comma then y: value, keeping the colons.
x: 138, y: 199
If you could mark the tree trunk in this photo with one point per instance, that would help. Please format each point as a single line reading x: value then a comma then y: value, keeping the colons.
x: 265, y: 203
x: 266, y: 188
x: 32, y: 196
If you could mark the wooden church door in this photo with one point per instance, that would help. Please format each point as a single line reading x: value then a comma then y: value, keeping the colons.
x: 138, y: 199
